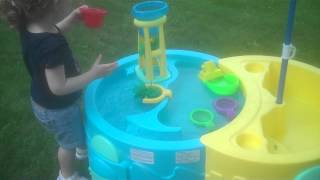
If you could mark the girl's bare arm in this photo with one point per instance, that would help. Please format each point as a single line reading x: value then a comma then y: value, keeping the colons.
x: 60, y: 85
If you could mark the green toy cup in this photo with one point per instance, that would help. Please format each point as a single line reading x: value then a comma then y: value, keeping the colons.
x: 202, y: 118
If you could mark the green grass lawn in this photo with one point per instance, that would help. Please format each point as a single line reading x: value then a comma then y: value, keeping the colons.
x: 220, y: 27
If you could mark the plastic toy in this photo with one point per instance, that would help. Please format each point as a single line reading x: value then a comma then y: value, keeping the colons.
x: 143, y: 91
x: 203, y: 118
x: 226, y: 106
x: 93, y: 17
x: 226, y: 85
x: 150, y: 17
x: 163, y: 93
x: 152, y: 141
x: 152, y: 67
x: 209, y: 71
x: 217, y: 81
x: 268, y: 138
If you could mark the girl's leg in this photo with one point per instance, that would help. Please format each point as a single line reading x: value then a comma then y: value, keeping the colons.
x: 81, y: 153
x: 66, y: 160
x: 66, y: 125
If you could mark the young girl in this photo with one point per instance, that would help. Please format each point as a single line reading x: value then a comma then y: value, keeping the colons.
x: 56, y: 80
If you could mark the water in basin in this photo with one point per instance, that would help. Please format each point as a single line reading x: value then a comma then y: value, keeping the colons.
x: 116, y: 100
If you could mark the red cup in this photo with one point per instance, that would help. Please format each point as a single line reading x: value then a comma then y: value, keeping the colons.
x: 93, y: 17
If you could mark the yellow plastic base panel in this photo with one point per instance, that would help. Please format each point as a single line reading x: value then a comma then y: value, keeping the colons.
x: 267, y: 140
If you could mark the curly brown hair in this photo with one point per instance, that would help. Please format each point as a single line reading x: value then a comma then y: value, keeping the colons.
x: 18, y: 12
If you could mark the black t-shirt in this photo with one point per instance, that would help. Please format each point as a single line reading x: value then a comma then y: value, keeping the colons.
x: 44, y: 51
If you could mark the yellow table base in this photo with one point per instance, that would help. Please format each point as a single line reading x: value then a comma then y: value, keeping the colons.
x: 266, y: 140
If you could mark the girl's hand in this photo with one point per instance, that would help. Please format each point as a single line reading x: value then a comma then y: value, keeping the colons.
x: 76, y: 12
x: 100, y: 70
x: 75, y: 16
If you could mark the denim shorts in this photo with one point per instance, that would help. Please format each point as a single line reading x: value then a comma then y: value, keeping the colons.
x: 65, y: 124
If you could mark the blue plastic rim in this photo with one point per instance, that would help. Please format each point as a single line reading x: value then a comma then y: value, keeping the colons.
x: 150, y: 10
x: 312, y: 173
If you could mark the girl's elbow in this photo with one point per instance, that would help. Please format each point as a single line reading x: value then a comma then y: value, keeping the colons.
x: 57, y: 91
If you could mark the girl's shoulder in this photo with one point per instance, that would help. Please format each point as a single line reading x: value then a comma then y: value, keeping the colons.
x: 41, y: 40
